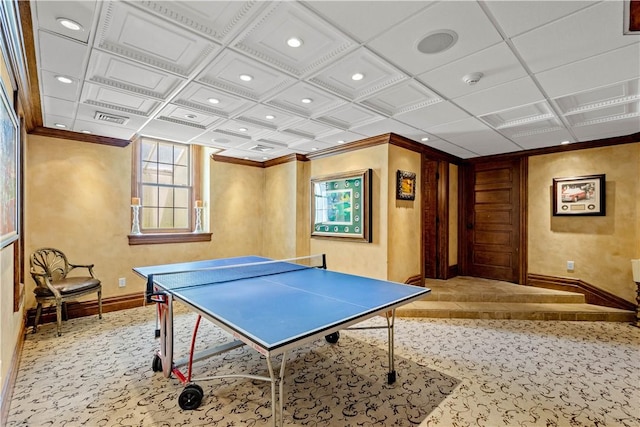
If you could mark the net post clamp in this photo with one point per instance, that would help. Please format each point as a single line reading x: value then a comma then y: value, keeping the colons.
x: 160, y: 297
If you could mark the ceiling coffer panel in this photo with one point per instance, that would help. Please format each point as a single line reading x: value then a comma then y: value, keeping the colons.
x: 131, y: 33
x: 270, y: 39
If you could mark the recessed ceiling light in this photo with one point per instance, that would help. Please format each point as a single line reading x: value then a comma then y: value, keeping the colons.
x: 565, y: 142
x: 60, y: 125
x: 265, y: 158
x: 426, y: 138
x: 243, y: 129
x: 63, y: 79
x: 246, y: 77
x: 191, y: 116
x: 437, y: 41
x: 214, y: 100
x: 314, y: 149
x: 269, y: 117
x: 294, y: 42
x: 85, y: 131
x: 357, y: 76
x: 341, y: 141
x: 306, y: 100
x: 70, y: 24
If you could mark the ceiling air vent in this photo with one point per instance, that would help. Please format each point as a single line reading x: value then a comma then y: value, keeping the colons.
x: 111, y: 118
x: 261, y: 148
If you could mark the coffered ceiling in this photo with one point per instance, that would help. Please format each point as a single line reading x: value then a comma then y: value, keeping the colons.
x: 518, y: 75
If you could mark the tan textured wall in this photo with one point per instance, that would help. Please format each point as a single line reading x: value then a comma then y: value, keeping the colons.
x: 237, y: 209
x: 404, y: 218
x: 303, y: 207
x: 453, y: 214
x: 77, y: 199
x: 366, y: 259
x: 601, y: 247
x: 280, y: 211
x: 286, y: 220
x: 10, y: 322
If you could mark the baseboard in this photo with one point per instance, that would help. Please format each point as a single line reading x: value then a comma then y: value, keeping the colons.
x: 415, y: 280
x: 593, y: 295
x: 452, y: 271
x: 12, y: 374
x: 77, y: 309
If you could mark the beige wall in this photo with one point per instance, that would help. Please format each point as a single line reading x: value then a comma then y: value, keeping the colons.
x: 303, y: 208
x: 237, y: 210
x: 280, y: 198
x: 601, y: 247
x: 368, y: 259
x: 10, y: 321
x: 403, y: 252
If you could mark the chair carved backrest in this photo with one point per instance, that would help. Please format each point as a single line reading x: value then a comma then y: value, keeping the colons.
x: 50, y: 262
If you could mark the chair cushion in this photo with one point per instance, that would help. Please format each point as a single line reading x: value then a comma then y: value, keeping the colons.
x: 71, y: 285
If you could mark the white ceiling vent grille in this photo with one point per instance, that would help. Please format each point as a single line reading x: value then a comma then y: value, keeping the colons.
x: 261, y: 148
x: 111, y: 118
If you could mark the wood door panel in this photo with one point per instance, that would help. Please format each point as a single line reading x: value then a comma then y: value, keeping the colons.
x: 493, y: 238
x: 493, y: 228
x: 493, y: 217
x: 492, y: 259
x: 491, y: 176
x: 493, y: 197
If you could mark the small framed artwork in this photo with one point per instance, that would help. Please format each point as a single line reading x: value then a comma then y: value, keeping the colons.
x: 341, y: 206
x: 579, y: 195
x: 405, y: 185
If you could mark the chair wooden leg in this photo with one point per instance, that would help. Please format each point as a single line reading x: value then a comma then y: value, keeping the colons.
x: 59, y: 316
x: 100, y: 304
x: 37, y: 320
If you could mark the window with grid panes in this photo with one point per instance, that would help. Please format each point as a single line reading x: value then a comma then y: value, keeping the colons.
x: 165, y: 186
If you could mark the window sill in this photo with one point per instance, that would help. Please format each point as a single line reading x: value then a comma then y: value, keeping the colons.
x: 160, y: 238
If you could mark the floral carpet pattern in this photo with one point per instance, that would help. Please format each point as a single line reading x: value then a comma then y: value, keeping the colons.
x: 451, y: 372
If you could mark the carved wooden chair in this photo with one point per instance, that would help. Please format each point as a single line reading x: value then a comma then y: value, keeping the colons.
x: 50, y: 270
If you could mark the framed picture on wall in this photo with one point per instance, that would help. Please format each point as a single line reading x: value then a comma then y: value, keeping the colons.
x: 579, y: 195
x: 405, y: 185
x: 341, y: 206
x: 10, y: 170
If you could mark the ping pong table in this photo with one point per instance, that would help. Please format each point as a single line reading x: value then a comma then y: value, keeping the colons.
x: 272, y: 306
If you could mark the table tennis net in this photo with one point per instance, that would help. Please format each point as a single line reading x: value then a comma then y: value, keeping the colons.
x: 212, y: 275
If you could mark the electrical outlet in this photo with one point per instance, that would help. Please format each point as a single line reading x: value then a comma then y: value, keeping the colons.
x: 122, y: 282
x: 570, y: 265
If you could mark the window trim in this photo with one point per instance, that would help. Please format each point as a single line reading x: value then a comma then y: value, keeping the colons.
x: 169, y: 236
x: 159, y: 238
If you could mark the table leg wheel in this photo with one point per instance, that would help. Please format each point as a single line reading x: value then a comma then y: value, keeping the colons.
x: 391, y: 377
x: 156, y: 365
x: 332, y: 338
x: 191, y: 397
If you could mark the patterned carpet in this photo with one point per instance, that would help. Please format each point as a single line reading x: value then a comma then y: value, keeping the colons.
x: 451, y: 372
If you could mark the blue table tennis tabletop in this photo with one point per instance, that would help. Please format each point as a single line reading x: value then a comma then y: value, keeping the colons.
x: 277, y: 310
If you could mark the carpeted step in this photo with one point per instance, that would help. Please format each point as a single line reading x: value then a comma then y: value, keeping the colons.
x: 520, y: 311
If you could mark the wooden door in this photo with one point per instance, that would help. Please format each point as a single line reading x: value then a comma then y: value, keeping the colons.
x: 430, y: 217
x: 493, y: 220
x: 435, y: 218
